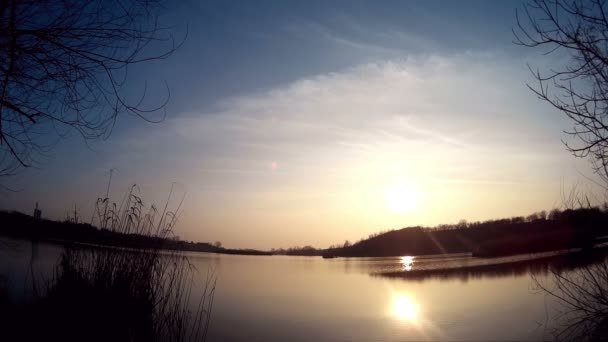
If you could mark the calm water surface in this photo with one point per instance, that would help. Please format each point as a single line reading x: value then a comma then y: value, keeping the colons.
x: 281, y: 298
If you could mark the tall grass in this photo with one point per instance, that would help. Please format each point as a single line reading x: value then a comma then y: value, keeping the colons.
x: 118, y: 294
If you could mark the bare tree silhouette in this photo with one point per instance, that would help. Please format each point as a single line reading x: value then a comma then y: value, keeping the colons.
x: 579, y: 88
x: 577, y: 30
x: 64, y: 66
x: 583, y: 313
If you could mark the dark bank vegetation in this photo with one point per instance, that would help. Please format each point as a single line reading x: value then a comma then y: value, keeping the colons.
x: 113, y: 295
x: 116, y: 294
x: 571, y: 228
x: 126, y: 224
x: 19, y: 225
x: 541, y: 231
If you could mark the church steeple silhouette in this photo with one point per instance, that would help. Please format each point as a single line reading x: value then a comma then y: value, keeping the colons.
x: 37, y: 212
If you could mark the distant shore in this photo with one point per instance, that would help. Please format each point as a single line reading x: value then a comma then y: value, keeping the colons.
x: 22, y: 226
x: 560, y: 230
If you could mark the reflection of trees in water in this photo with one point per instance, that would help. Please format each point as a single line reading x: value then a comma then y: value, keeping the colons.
x: 539, y: 266
x: 104, y: 293
x: 577, y: 282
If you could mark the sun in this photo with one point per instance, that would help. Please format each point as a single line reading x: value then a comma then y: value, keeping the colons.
x: 401, y: 198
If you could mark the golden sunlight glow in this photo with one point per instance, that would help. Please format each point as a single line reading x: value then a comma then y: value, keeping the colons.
x: 401, y: 198
x: 405, y: 308
x: 407, y: 262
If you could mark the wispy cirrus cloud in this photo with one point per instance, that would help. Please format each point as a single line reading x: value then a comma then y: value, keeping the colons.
x: 465, y: 104
x: 319, y: 151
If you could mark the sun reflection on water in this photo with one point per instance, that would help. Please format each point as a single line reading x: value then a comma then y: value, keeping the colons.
x: 407, y: 262
x: 405, y: 308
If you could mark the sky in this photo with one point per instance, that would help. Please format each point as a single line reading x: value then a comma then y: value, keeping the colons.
x: 311, y: 123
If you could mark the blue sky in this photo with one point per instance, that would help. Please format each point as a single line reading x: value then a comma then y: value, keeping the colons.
x: 310, y: 123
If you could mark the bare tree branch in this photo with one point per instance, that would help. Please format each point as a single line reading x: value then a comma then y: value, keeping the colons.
x: 64, y: 63
x: 579, y: 89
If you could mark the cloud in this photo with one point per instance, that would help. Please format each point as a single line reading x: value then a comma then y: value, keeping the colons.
x: 442, y: 118
x: 460, y: 128
x: 322, y: 150
x: 467, y: 104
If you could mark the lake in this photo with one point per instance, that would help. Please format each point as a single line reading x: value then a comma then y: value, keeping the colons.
x: 280, y: 298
